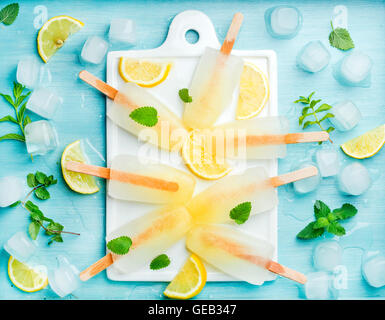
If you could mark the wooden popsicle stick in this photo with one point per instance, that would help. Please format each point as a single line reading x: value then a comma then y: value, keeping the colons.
x: 286, y: 272
x: 98, y: 84
x: 232, y: 33
x: 125, y: 177
x: 293, y: 176
x: 97, y: 267
x: 289, y: 138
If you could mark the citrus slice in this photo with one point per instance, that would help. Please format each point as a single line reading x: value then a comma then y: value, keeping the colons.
x: 79, y: 182
x: 54, y: 33
x: 253, y: 92
x: 144, y: 72
x: 365, y: 145
x: 200, y: 155
x: 189, y: 281
x: 26, y: 278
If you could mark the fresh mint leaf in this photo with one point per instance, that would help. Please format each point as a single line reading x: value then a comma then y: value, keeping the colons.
x: 321, y: 209
x: 31, y: 181
x: 33, y: 229
x: 323, y: 107
x: 309, y: 232
x: 241, y: 212
x: 331, y: 217
x: 340, y: 38
x: 42, y: 193
x: 56, y: 238
x: 40, y: 177
x: 9, y: 119
x: 12, y: 136
x: 146, y: 116
x: 120, y: 245
x: 54, y: 228
x: 345, y: 212
x: 185, y: 96
x: 160, y: 262
x: 336, y: 228
x: 15, y: 204
x: 9, y: 13
x: 321, y: 223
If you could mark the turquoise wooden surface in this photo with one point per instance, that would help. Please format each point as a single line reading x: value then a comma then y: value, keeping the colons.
x: 82, y: 116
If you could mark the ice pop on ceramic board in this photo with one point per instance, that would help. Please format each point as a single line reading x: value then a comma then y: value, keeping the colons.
x: 169, y: 132
x: 237, y: 253
x: 132, y: 180
x: 214, y: 81
x: 151, y: 235
x: 213, y: 205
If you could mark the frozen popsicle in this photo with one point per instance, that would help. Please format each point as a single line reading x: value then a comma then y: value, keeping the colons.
x: 151, y: 235
x: 258, y: 138
x: 169, y: 133
x: 132, y: 180
x: 214, y: 82
x: 238, y: 254
x: 213, y: 205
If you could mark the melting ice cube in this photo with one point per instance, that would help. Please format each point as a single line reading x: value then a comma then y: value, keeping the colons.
x: 308, y: 184
x: 20, y: 246
x: 283, y: 22
x: 28, y: 72
x: 94, y: 50
x: 44, y: 102
x: 373, y: 270
x: 12, y: 189
x: 319, y: 286
x: 64, y: 279
x: 313, y: 57
x: 354, y: 179
x: 122, y: 30
x: 40, y: 137
x: 328, y: 162
x: 346, y: 115
x: 327, y: 255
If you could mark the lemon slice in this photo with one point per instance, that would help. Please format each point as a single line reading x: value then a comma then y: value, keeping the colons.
x: 366, y: 145
x: 79, y: 182
x: 189, y: 281
x: 26, y: 278
x: 144, y: 72
x: 54, y: 33
x: 200, y: 156
x: 253, y: 92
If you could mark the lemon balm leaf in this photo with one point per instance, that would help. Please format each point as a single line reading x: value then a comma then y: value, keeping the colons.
x: 120, y: 245
x: 9, y: 13
x: 160, y: 262
x: 240, y: 214
x: 340, y: 38
x: 146, y: 116
x: 185, y: 96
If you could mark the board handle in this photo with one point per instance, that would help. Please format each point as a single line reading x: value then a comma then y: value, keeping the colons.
x: 293, y: 176
x: 97, y: 267
x: 286, y: 272
x: 232, y: 33
x: 98, y: 84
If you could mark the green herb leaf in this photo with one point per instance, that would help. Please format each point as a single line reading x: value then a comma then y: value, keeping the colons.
x: 42, y: 193
x: 12, y: 136
x: 321, y: 223
x: 185, y: 96
x: 54, y: 228
x: 323, y: 107
x: 31, y: 181
x: 345, y: 212
x: 321, y: 210
x: 336, y: 228
x: 40, y: 177
x: 56, y: 238
x: 120, y: 245
x: 160, y: 262
x: 9, y: 13
x: 146, y: 116
x: 7, y: 98
x: 309, y: 232
x: 340, y: 38
x: 241, y: 212
x: 33, y: 229
x: 15, y: 204
x: 8, y: 118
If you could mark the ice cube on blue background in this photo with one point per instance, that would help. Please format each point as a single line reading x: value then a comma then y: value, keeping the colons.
x: 20, y: 246
x: 319, y: 286
x: 346, y: 115
x: 283, y: 22
x: 313, y: 57
x: 123, y: 31
x: 44, y: 102
x: 64, y: 279
x: 12, y: 189
x: 306, y: 185
x: 354, y: 179
x: 94, y: 50
x: 40, y: 137
x: 373, y: 270
x: 328, y: 162
x: 28, y: 72
x: 327, y: 255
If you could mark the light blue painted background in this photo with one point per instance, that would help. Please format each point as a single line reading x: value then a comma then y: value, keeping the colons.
x: 86, y: 120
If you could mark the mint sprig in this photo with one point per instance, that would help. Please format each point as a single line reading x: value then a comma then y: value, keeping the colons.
x: 120, y: 245
x: 340, y: 38
x: 146, y: 116
x: 184, y: 95
x: 240, y: 214
x: 310, y: 109
x: 326, y: 220
x: 160, y: 262
x: 9, y: 13
x: 40, y: 182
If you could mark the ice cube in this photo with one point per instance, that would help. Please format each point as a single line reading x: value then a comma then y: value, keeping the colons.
x: 327, y: 255
x: 354, y: 69
x: 12, y: 189
x: 328, y: 162
x: 313, y: 57
x: 20, y: 246
x: 283, y: 22
x: 94, y: 50
x: 122, y: 30
x: 373, y: 271
x: 354, y: 179
x: 64, y: 279
x: 44, y: 102
x: 40, y: 137
x: 306, y: 185
x: 28, y: 72
x: 346, y: 115
x: 319, y: 286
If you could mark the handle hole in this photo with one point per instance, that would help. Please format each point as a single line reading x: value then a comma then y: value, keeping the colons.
x: 192, y: 36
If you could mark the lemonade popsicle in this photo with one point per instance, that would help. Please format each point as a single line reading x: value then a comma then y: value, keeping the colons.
x: 214, y: 81
x: 151, y: 235
x: 238, y: 254
x: 169, y: 132
x: 213, y: 205
x: 142, y: 181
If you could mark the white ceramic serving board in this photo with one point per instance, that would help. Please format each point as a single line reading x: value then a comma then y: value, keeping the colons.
x: 184, y: 57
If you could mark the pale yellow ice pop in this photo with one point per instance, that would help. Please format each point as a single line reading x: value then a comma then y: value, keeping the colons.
x: 238, y: 254
x: 214, y: 82
x: 151, y: 235
x: 131, y: 179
